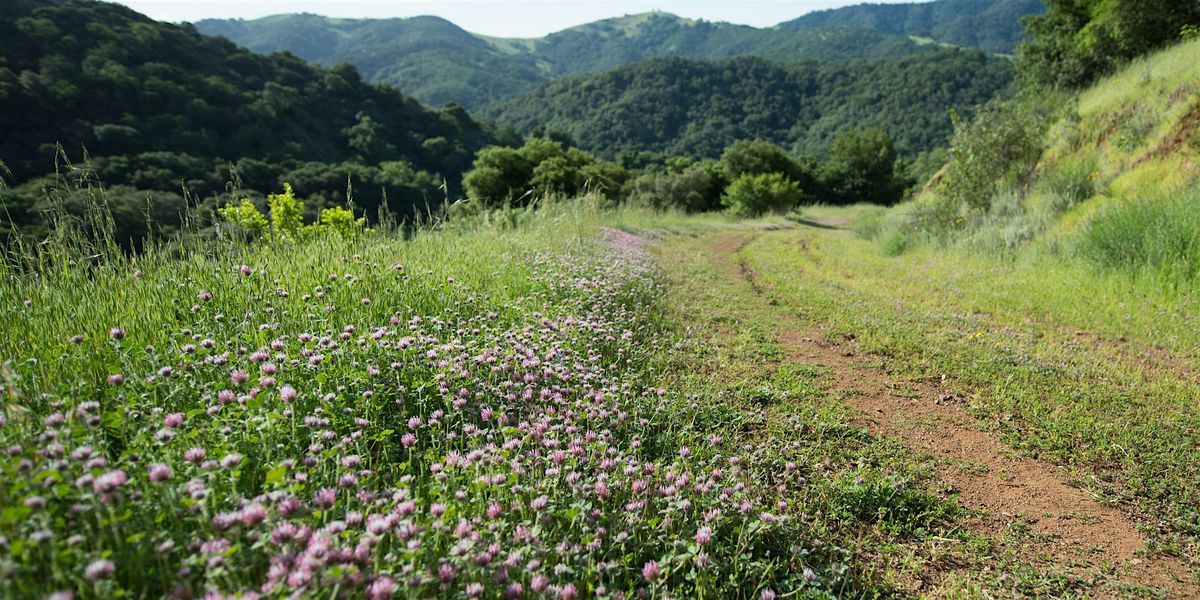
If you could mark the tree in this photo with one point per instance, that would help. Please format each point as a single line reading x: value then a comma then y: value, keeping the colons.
x: 757, y: 157
x: 756, y: 195
x: 1077, y: 41
x: 498, y: 175
x: 862, y: 168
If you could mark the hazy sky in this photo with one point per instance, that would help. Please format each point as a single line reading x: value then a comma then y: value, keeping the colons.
x: 503, y: 18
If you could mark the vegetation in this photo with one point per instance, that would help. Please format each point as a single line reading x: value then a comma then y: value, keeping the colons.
x: 428, y: 58
x: 542, y: 167
x: 1091, y: 173
x: 254, y: 381
x: 156, y: 107
x: 437, y: 62
x: 992, y: 25
x: 756, y: 195
x: 1077, y: 41
x: 1077, y: 368
x: 694, y: 108
x: 863, y: 167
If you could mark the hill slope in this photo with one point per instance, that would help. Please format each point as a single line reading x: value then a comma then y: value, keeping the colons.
x: 697, y: 108
x: 158, y: 106
x: 1114, y: 168
x: 437, y: 62
x: 99, y: 75
x: 427, y: 57
x: 992, y: 25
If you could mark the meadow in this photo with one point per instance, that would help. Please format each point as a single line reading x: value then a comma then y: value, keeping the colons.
x: 484, y: 410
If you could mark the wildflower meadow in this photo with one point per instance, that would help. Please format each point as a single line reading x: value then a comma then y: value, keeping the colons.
x: 475, y: 413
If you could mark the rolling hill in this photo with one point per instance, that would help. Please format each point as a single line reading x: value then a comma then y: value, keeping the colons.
x: 992, y: 25
x: 438, y: 62
x: 157, y: 106
x: 696, y: 108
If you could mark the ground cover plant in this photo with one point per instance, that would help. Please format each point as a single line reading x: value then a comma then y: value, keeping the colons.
x: 471, y: 413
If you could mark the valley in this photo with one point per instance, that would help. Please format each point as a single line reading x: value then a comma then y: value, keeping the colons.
x: 882, y: 301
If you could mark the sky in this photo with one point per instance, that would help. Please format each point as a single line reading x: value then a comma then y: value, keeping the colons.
x: 499, y: 18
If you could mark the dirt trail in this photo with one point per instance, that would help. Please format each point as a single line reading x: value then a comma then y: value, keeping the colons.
x: 1077, y: 534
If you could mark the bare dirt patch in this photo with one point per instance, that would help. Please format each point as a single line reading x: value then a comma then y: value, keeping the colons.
x: 1072, y: 532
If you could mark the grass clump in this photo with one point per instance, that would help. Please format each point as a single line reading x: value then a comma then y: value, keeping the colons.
x: 1157, y: 235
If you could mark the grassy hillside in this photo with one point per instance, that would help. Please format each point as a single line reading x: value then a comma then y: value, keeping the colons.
x: 697, y: 108
x: 1109, y: 173
x: 437, y: 62
x: 992, y: 25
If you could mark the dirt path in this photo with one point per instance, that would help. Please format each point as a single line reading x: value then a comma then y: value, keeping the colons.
x: 1074, y: 532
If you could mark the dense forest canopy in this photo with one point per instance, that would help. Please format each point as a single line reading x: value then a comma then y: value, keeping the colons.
x: 992, y: 25
x: 438, y: 62
x: 159, y: 106
x: 697, y: 108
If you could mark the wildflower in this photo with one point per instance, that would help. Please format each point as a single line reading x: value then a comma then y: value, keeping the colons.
x: 287, y: 393
x: 568, y: 592
x: 767, y: 595
x: 494, y: 510
x: 194, y: 455
x: 231, y: 460
x: 116, y: 333
x: 99, y: 569
x: 116, y: 379
x: 254, y: 514
x: 325, y: 498
x: 173, y: 420
x: 159, y: 472
x: 109, y: 482
x: 703, y: 535
x: 381, y: 589
x: 204, y: 296
x: 650, y: 570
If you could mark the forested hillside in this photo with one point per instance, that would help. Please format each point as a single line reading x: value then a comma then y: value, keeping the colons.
x: 697, y: 108
x: 992, y: 25
x: 438, y: 62
x: 427, y: 57
x: 158, y: 106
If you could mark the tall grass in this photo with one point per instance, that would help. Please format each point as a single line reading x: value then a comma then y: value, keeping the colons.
x: 469, y: 410
x: 1156, y: 236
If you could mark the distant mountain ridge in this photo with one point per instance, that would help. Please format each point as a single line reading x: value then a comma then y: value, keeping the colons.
x: 992, y: 25
x: 437, y: 62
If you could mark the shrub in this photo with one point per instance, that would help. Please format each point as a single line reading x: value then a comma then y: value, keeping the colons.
x: 997, y: 149
x: 498, y: 174
x: 287, y: 214
x: 341, y: 222
x: 862, y: 168
x: 286, y: 221
x: 757, y: 157
x: 246, y: 217
x: 755, y: 195
x: 695, y: 189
